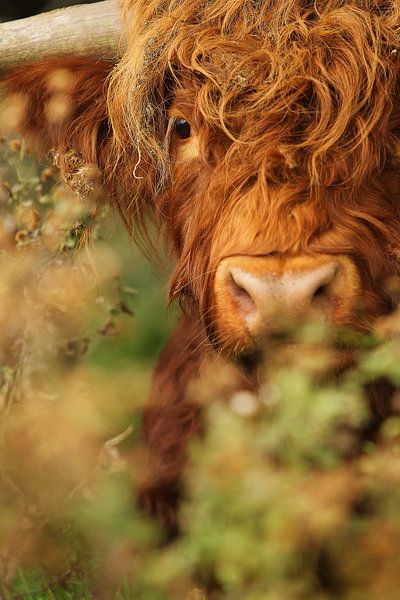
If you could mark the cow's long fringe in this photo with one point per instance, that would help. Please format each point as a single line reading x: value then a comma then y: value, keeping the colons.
x: 301, y: 94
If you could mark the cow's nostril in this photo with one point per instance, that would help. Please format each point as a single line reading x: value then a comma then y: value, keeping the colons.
x: 241, y: 295
x: 320, y: 292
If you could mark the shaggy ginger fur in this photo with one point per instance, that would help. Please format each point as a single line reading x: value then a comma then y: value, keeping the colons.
x: 295, y: 149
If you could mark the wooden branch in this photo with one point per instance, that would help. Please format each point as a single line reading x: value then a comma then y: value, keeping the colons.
x: 87, y: 30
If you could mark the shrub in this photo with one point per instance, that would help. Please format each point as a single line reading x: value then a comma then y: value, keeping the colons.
x: 290, y: 495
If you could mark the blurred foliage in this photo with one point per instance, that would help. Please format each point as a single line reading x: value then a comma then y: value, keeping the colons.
x: 285, y: 499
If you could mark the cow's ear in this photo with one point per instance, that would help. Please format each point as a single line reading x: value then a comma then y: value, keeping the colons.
x: 61, y: 106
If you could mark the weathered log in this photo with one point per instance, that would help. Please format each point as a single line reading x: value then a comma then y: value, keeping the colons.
x: 85, y: 30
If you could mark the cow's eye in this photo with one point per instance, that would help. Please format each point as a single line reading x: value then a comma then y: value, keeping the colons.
x: 182, y: 128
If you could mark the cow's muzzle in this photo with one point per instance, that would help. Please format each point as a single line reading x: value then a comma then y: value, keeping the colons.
x: 256, y: 297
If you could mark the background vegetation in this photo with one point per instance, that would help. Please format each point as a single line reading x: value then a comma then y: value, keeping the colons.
x: 286, y: 500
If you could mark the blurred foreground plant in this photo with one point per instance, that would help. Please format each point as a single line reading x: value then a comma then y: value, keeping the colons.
x: 285, y: 498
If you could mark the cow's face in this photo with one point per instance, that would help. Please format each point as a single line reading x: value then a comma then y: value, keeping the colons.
x: 260, y: 248
x: 272, y: 124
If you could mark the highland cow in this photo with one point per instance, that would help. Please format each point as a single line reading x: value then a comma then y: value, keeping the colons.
x: 263, y: 137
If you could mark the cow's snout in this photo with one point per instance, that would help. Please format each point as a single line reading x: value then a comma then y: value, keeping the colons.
x: 256, y: 296
x: 259, y: 296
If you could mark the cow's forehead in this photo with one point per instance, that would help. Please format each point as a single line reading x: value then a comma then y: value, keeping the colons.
x: 316, y: 78
x: 321, y: 93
